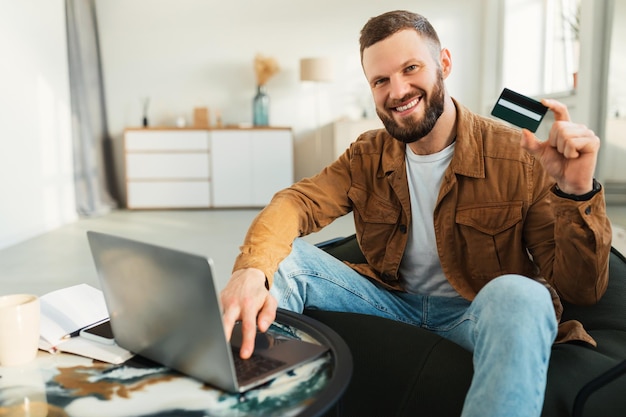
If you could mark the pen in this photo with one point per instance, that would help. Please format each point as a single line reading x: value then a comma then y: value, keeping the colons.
x: 72, y: 334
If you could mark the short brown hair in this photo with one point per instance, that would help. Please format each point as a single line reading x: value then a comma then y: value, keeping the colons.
x: 381, y: 27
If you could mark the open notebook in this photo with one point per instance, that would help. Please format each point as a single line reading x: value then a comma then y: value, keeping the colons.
x: 65, y: 312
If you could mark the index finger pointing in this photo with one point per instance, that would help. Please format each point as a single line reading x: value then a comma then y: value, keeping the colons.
x: 559, y: 109
x: 248, y: 336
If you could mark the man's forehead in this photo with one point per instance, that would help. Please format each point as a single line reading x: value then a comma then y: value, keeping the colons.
x: 398, y: 48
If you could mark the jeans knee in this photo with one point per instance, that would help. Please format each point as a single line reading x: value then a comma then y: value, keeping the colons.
x: 515, y: 297
x: 518, y: 289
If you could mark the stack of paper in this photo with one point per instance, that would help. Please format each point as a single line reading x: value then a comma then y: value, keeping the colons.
x: 65, y: 312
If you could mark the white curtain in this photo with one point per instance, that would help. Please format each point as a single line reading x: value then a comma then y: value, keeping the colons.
x: 93, y: 162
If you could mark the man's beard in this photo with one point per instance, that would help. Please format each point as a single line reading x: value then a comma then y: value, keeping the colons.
x: 414, y: 130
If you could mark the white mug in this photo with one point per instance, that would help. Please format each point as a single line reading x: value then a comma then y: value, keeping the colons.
x: 19, y: 329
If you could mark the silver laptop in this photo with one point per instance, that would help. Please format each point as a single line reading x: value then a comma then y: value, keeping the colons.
x: 164, y: 305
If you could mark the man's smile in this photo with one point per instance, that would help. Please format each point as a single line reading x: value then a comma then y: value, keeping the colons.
x: 408, y: 106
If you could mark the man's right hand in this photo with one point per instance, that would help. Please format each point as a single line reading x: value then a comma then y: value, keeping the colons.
x: 245, y: 298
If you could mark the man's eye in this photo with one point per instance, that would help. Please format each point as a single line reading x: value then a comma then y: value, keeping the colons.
x: 411, y: 68
x: 379, y: 82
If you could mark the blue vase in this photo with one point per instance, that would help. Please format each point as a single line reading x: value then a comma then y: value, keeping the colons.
x: 261, y: 107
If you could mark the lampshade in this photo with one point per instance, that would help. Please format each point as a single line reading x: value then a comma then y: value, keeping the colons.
x: 316, y: 69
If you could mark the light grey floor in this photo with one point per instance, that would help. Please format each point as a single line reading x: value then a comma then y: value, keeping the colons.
x: 61, y: 257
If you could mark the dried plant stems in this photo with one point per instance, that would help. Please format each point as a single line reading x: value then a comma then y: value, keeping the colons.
x: 264, y: 68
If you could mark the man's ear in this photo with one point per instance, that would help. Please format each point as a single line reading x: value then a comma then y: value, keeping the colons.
x: 445, y: 60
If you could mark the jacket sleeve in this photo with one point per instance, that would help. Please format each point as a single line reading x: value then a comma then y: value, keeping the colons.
x: 304, y: 208
x: 570, y: 241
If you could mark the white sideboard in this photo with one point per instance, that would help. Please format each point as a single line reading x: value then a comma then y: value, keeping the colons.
x: 167, y: 168
x: 201, y: 168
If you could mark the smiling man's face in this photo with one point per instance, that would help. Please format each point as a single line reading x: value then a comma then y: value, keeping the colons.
x: 407, y: 84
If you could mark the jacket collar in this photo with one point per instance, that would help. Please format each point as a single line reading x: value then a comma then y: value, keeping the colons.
x: 468, y: 159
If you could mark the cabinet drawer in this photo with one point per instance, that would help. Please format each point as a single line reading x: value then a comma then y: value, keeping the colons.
x: 166, y: 140
x: 168, y: 194
x: 166, y: 166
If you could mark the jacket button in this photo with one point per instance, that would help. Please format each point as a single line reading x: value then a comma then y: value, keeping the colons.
x: 402, y: 228
x: 588, y: 210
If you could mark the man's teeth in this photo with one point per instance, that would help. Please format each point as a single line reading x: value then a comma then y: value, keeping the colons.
x: 407, y: 106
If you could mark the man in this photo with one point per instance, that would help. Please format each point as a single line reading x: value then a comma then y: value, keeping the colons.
x: 470, y: 228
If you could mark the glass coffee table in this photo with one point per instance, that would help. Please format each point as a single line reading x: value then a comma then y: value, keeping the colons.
x: 69, y: 385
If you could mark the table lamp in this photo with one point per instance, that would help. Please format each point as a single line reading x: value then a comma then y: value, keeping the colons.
x: 317, y: 70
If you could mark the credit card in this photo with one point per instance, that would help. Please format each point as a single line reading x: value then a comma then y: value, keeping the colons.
x: 519, y: 110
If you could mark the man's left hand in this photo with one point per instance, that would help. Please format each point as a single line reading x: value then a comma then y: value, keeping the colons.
x: 569, y: 155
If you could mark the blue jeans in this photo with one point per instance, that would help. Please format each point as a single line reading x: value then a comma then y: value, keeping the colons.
x: 510, y: 326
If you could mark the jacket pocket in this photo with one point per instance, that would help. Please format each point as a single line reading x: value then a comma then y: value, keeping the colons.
x: 373, y: 209
x: 376, y: 218
x: 490, y: 233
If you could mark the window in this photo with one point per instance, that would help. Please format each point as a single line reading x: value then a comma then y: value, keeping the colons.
x: 540, y: 54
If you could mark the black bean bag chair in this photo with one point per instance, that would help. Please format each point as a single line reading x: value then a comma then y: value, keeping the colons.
x: 402, y: 370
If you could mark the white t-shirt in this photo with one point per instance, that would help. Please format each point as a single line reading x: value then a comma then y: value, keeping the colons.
x: 420, y: 269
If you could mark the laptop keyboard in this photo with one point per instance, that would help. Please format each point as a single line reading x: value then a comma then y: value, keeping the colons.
x: 255, y: 366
